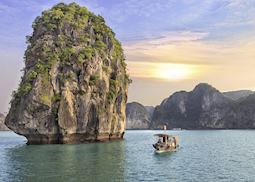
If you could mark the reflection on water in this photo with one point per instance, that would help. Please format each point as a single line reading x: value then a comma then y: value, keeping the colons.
x: 90, y: 162
x: 203, y: 156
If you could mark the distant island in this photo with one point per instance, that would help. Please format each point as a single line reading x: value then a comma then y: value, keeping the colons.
x: 138, y: 116
x: 204, y: 107
x: 2, y: 125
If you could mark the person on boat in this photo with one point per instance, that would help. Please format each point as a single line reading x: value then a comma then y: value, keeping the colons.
x: 159, y: 140
x: 174, y: 143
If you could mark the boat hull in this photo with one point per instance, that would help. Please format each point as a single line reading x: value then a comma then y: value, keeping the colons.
x: 164, y: 151
x: 161, y: 149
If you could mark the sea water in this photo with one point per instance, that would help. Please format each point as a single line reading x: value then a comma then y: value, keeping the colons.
x: 208, y: 155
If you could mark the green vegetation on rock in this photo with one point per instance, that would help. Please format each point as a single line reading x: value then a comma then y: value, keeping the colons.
x: 45, y: 48
x: 73, y: 62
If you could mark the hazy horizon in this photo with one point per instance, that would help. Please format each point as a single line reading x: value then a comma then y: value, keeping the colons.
x: 169, y: 46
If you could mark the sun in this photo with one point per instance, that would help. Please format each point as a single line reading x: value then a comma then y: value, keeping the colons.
x: 170, y: 71
x: 163, y: 71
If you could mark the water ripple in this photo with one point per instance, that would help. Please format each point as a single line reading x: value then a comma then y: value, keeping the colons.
x: 203, y: 156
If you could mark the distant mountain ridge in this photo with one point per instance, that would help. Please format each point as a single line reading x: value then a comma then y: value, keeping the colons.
x: 205, y: 107
x: 235, y: 95
x: 138, y: 116
x: 2, y: 125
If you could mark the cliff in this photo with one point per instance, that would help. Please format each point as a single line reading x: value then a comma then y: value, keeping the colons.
x: 235, y: 95
x: 2, y: 125
x: 74, y: 87
x: 205, y: 108
x: 150, y: 111
x: 137, y: 116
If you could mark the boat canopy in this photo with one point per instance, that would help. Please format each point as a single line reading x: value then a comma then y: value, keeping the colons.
x: 164, y: 135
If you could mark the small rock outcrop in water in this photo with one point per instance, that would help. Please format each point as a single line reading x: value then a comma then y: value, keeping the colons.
x: 74, y: 87
x: 205, y: 108
x: 138, y: 116
x: 2, y: 125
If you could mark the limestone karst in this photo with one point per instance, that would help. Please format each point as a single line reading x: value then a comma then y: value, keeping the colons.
x: 74, y: 87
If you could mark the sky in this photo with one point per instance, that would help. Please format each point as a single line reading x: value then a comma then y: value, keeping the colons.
x: 170, y: 45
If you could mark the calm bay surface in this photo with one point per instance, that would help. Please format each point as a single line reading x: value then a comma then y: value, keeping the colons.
x: 209, y: 155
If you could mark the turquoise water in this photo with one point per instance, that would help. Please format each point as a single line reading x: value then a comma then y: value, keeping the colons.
x: 215, y: 155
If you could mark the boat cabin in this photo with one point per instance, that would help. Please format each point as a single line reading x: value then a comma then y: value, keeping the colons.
x: 164, y: 138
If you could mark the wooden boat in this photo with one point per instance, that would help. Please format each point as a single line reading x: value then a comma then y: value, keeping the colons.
x: 166, y: 143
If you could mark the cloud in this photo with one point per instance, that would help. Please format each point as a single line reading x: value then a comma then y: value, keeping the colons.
x: 170, y: 38
x: 190, y: 53
x: 239, y: 4
x: 4, y: 8
x: 239, y: 13
x: 180, y: 64
x: 170, y: 47
x: 165, y: 71
x: 151, y: 57
x: 138, y: 8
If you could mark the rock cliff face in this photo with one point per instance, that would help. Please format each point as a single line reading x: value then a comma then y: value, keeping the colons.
x: 235, y: 95
x: 2, y: 125
x: 204, y: 108
x: 137, y: 116
x: 74, y: 87
x: 150, y: 110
